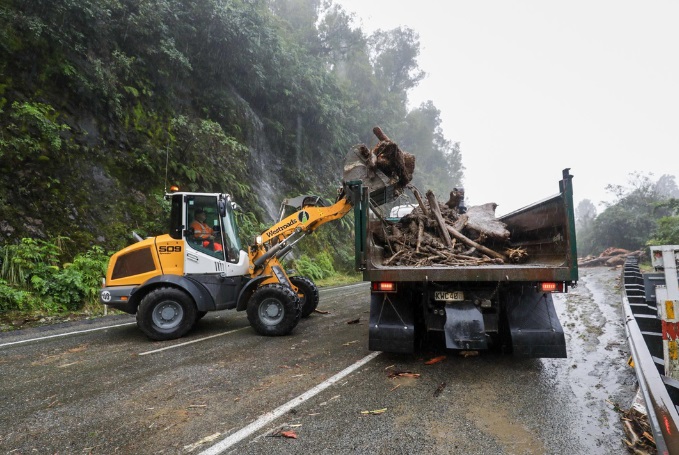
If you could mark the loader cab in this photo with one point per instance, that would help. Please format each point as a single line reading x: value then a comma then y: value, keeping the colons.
x: 217, y: 220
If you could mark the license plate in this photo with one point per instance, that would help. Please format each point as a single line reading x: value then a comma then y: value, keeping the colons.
x: 455, y: 296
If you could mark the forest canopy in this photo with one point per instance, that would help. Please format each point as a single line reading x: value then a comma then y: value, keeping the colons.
x: 644, y: 212
x: 103, y: 102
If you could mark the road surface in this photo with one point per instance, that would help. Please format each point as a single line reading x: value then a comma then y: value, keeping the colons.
x: 101, y: 387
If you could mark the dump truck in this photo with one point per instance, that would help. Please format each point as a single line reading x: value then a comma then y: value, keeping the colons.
x: 505, y: 306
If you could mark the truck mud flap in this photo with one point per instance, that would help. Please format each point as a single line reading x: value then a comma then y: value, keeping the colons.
x: 534, y: 326
x: 464, y: 327
x: 392, y: 327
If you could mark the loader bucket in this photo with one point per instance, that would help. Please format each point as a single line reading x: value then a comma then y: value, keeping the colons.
x: 386, y: 169
x: 357, y: 167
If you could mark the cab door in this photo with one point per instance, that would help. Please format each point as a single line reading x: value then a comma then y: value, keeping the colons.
x: 204, y: 252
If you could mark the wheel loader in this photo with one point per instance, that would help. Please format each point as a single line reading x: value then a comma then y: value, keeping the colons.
x: 173, y: 280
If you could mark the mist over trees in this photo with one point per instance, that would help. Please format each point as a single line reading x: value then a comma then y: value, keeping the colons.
x: 644, y: 212
x: 97, y: 97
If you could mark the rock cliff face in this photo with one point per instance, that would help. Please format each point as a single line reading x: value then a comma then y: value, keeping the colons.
x: 266, y: 168
x: 107, y: 179
x: 104, y: 105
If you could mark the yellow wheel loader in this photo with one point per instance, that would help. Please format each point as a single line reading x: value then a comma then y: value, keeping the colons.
x: 172, y: 280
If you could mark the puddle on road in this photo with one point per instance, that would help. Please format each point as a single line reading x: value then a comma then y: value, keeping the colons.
x: 496, y: 422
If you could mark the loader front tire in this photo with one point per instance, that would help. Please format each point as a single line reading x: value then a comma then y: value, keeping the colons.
x: 166, y: 313
x: 274, y: 310
x: 307, y: 292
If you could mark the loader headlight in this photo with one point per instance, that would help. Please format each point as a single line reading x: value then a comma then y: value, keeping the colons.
x: 258, y: 240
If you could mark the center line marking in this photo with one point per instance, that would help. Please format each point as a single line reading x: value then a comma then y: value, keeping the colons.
x: 276, y: 413
x: 192, y: 341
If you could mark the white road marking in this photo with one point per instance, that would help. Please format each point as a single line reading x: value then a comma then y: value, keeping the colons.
x: 276, y: 413
x: 66, y: 334
x: 346, y: 286
x: 192, y: 341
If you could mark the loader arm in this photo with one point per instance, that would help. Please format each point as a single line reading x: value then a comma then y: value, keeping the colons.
x: 276, y: 241
x: 306, y: 219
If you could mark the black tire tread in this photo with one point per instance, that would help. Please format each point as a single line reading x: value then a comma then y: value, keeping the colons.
x: 310, y: 291
x: 150, y: 300
x: 291, y: 305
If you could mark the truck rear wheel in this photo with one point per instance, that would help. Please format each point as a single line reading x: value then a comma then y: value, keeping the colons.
x: 274, y: 310
x: 166, y: 313
x: 307, y: 292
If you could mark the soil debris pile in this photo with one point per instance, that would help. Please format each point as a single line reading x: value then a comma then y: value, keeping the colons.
x: 446, y: 234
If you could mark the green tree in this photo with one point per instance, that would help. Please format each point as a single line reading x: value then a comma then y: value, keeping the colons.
x: 394, y: 57
x: 438, y: 161
x: 667, y: 232
x: 630, y: 221
x: 585, y: 214
x: 666, y: 186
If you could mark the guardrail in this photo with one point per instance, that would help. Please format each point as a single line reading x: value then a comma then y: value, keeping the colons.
x: 644, y: 335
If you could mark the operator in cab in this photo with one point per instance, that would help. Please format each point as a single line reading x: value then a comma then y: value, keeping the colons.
x: 202, y: 231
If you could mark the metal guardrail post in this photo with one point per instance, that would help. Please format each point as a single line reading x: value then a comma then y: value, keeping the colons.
x: 667, y: 299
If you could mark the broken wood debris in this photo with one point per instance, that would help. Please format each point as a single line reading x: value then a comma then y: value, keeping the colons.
x: 638, y: 431
x: 444, y: 234
x: 403, y: 374
x: 469, y: 353
x: 435, y: 360
x: 439, y: 389
x: 281, y: 433
x: 374, y: 412
x: 385, y: 165
x: 610, y: 257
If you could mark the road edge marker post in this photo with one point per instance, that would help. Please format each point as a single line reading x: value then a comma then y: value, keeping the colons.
x: 667, y: 300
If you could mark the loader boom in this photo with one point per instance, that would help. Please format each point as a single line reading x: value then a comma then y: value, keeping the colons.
x: 280, y: 237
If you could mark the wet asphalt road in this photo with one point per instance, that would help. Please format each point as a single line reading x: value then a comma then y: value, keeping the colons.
x: 85, y: 388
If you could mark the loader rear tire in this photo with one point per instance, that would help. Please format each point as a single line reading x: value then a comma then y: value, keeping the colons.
x: 166, y: 313
x: 274, y: 310
x: 307, y: 292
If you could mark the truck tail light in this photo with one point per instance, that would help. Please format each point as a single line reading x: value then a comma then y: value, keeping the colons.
x: 384, y: 286
x: 550, y: 286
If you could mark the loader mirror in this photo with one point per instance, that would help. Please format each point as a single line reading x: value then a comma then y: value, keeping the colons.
x: 222, y: 207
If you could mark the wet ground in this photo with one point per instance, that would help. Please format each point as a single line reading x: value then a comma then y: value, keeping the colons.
x: 101, y: 387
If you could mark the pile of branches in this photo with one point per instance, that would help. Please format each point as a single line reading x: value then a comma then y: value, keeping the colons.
x: 638, y: 431
x: 439, y: 234
x: 610, y: 257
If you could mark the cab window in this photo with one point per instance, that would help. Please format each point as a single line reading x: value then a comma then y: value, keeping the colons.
x: 204, y: 232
